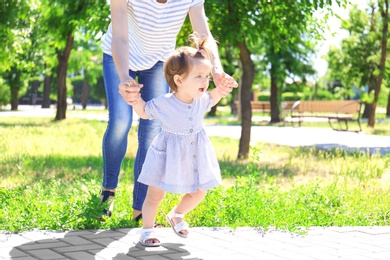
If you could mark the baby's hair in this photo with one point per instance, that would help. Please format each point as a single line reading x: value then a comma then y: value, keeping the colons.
x: 183, y: 58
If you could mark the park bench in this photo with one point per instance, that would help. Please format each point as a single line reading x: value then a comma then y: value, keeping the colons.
x: 265, y: 106
x: 334, y: 110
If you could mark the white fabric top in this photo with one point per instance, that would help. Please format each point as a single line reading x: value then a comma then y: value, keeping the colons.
x: 181, y: 158
x: 153, y: 28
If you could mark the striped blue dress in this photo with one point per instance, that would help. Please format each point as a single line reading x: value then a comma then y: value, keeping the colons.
x: 181, y: 158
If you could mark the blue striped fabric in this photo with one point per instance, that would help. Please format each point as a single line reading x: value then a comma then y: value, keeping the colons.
x: 181, y: 158
x: 153, y: 28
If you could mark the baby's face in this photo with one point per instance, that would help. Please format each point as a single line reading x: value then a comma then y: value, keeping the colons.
x: 197, y: 80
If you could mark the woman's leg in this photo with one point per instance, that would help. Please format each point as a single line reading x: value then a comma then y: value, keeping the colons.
x: 154, y: 85
x: 120, y: 116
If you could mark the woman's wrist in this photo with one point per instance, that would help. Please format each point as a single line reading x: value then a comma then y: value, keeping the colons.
x: 127, y: 81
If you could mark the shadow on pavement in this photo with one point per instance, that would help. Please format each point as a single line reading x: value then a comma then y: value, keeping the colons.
x: 88, y: 244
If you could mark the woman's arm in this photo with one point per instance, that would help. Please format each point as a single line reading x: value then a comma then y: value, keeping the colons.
x: 128, y: 87
x: 223, y: 82
x: 120, y: 38
x: 199, y: 24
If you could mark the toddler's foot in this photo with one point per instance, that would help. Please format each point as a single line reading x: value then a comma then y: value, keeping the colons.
x: 179, y: 226
x: 149, y: 238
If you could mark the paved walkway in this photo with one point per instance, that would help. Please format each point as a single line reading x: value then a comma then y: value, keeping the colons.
x: 322, y: 138
x: 349, y: 243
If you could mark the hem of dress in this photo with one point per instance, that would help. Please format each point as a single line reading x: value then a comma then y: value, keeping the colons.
x: 182, y: 190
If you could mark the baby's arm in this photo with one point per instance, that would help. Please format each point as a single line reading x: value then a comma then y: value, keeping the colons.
x: 216, y: 96
x: 139, y: 108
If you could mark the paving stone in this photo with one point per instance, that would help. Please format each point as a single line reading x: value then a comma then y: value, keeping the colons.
x: 35, y: 245
x: 45, y: 254
x: 25, y: 258
x: 41, y: 235
x: 75, y: 240
x: 345, y: 243
x: 14, y: 240
x: 7, y: 252
x: 79, y: 248
x: 80, y: 255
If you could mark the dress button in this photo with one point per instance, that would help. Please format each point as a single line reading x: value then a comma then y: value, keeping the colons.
x: 196, y: 170
x: 194, y: 156
x: 189, y: 107
x: 190, y: 118
x: 192, y: 143
x: 191, y: 130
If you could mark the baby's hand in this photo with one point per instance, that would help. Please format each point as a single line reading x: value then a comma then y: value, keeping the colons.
x: 224, y: 83
x: 130, y: 91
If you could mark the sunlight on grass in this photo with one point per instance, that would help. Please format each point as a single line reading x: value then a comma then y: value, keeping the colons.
x: 51, y: 174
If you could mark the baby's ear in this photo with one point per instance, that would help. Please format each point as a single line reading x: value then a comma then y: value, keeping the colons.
x: 177, y: 79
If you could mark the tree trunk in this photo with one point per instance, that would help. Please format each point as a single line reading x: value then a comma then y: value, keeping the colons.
x: 371, y: 88
x: 388, y: 106
x: 315, y: 91
x: 382, y: 64
x: 245, y: 99
x: 85, y: 94
x: 46, y: 92
x: 63, y: 58
x: 13, y: 78
x: 213, y: 111
x: 367, y: 110
x: 275, y: 118
x: 14, y: 97
x: 371, y: 80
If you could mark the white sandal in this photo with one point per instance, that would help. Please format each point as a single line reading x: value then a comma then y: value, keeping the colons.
x: 147, y: 234
x: 181, y: 226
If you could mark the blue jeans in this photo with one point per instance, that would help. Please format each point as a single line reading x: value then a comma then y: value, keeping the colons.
x: 120, y: 118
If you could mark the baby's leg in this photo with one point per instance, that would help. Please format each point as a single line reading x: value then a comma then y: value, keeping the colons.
x: 187, y: 203
x: 190, y: 201
x: 149, y: 209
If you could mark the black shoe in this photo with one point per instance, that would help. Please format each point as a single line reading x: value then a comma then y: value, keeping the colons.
x: 106, y: 194
x: 138, y: 218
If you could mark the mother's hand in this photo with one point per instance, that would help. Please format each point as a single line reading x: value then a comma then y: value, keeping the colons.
x: 224, y: 83
x: 130, y: 91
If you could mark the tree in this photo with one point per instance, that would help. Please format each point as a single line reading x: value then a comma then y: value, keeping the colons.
x: 62, y: 19
x: 9, y: 18
x: 289, y: 61
x: 384, y: 14
x: 87, y: 61
x: 248, y: 24
x: 361, y: 59
x: 19, y: 60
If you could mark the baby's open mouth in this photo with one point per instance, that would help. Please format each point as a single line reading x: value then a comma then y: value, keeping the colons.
x: 202, y: 89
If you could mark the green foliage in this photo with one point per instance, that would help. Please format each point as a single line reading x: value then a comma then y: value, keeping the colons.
x: 291, y: 96
x: 263, y: 96
x: 322, y: 94
x: 98, y: 91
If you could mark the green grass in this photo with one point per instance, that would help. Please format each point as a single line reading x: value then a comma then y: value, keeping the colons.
x: 51, y: 174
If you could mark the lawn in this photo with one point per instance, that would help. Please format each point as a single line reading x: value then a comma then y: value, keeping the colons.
x: 51, y: 175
